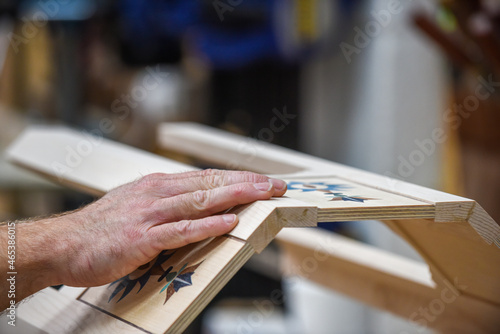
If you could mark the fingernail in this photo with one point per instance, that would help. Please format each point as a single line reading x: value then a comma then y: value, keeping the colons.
x: 229, y: 219
x: 267, y: 186
x: 278, y: 184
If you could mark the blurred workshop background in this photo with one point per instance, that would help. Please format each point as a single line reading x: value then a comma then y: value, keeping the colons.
x: 406, y: 89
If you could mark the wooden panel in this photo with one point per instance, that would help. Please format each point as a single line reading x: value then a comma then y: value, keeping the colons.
x: 386, y: 281
x: 448, y: 208
x: 200, y: 141
x: 456, y: 254
x: 228, y: 150
x: 161, y: 297
x: 167, y: 295
x: 55, y: 313
x: 69, y: 157
x: 341, y: 200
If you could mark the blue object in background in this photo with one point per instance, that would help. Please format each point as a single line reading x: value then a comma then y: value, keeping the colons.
x: 229, y: 34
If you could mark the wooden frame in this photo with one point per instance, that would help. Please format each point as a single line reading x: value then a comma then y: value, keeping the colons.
x: 454, y: 235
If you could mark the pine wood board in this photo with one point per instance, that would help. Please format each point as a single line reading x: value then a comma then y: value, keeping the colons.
x: 90, y: 310
x: 457, y: 255
x: 231, y: 150
x: 68, y: 156
x: 341, y: 200
x: 110, y: 159
x: 214, y: 260
x: 384, y: 280
x: 57, y: 313
x: 199, y: 141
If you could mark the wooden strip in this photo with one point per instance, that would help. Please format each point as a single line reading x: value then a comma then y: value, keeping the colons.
x: 448, y: 208
x: 381, y: 215
x: 455, y: 254
x: 383, y: 280
x: 208, y: 294
x: 484, y: 225
x: 213, y: 263
x: 56, y: 312
x: 173, y: 136
x: 71, y: 157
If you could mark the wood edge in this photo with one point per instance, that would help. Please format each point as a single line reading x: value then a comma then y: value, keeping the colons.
x: 61, y: 182
x: 438, y: 275
x: 323, y: 168
x: 29, y: 309
x: 352, y: 250
x: 484, y: 225
x: 207, y: 295
x: 402, y: 296
x: 278, y: 218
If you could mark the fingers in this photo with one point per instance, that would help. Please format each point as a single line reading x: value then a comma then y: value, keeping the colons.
x: 167, y: 185
x: 174, y: 235
x: 202, y: 203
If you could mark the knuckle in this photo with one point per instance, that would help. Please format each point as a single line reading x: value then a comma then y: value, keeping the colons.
x: 208, y: 172
x: 201, y: 200
x: 150, y: 180
x: 239, y: 189
x: 253, y: 177
x: 184, y: 231
x: 212, y: 181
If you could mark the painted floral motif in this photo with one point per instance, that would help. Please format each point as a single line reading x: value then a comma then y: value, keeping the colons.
x: 330, y: 190
x: 174, y: 280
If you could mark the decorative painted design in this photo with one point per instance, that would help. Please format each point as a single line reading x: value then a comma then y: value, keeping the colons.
x: 174, y: 280
x: 315, y: 186
x: 328, y: 190
x: 342, y: 197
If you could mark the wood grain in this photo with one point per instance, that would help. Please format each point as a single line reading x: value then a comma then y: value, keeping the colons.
x: 386, y: 281
x: 219, y: 259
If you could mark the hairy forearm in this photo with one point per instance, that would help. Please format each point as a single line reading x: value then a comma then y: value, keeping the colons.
x: 27, y: 253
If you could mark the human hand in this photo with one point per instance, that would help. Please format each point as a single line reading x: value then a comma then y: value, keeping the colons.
x: 133, y: 223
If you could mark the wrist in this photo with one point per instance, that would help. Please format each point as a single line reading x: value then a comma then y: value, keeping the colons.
x: 39, y: 251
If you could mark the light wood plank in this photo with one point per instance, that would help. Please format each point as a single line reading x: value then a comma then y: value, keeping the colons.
x: 210, y: 265
x: 200, y: 141
x: 383, y: 280
x: 456, y: 254
x: 56, y: 313
x: 70, y: 156
x: 218, y: 260
x: 341, y: 200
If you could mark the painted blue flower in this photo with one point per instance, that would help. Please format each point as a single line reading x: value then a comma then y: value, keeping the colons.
x: 315, y: 186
